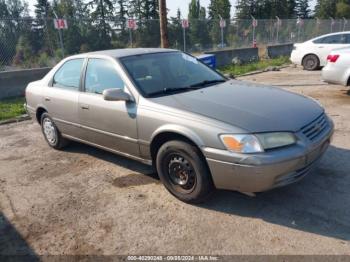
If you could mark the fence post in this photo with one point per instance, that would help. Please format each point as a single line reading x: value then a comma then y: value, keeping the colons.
x: 278, y: 28
x: 60, y: 35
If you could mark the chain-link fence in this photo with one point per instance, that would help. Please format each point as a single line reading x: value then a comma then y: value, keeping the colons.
x: 33, y: 43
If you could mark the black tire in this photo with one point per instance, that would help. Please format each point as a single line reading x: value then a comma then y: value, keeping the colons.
x: 183, y: 172
x: 311, y: 62
x: 51, y: 133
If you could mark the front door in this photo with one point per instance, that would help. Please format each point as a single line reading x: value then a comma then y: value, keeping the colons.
x: 111, y: 124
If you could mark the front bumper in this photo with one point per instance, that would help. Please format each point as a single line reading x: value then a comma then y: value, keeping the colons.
x: 261, y: 172
x: 296, y: 57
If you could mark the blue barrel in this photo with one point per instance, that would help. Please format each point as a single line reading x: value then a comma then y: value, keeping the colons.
x: 208, y: 59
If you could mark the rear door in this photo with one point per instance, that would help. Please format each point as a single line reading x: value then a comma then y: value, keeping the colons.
x: 110, y: 124
x: 325, y: 45
x: 61, y: 96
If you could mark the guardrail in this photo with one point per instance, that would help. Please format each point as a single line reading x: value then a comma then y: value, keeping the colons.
x: 13, y: 83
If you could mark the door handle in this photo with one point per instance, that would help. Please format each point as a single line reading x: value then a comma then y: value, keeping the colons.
x: 321, y: 47
x: 47, y: 99
x: 85, y: 107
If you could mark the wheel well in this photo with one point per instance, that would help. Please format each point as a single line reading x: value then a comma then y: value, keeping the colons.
x: 39, y: 113
x: 302, y: 61
x: 348, y: 83
x: 162, y: 138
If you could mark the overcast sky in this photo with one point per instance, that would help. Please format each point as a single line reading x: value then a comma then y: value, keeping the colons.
x: 173, y: 5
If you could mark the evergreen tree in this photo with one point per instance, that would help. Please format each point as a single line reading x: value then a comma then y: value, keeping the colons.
x: 175, y: 31
x: 267, y: 9
x: 198, y: 31
x: 43, y: 27
x: 135, y: 9
x: 218, y: 9
x: 76, y: 16
x: 303, y: 9
x: 325, y: 9
x: 343, y: 9
x: 11, y: 29
x: 122, y: 13
x: 102, y: 10
x: 149, y: 31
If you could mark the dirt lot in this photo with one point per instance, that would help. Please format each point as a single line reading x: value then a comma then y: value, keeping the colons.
x: 86, y: 201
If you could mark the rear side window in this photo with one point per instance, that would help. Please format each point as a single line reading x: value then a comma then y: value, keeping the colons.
x: 333, y: 39
x: 101, y: 75
x: 347, y: 38
x: 68, y: 76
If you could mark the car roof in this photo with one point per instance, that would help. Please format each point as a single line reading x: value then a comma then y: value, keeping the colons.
x: 337, y: 33
x: 118, y: 53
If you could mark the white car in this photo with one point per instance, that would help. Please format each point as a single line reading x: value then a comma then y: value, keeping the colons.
x: 337, y: 70
x: 313, y: 53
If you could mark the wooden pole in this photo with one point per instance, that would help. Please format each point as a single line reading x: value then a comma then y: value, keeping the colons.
x: 163, y: 24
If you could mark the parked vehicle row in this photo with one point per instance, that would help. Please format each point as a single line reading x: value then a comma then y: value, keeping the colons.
x: 330, y: 52
x: 198, y: 129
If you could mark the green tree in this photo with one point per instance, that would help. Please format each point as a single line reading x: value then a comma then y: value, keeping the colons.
x: 198, y: 31
x: 325, y: 9
x: 11, y: 29
x: 218, y: 9
x: 135, y: 9
x: 101, y: 11
x: 76, y: 16
x: 175, y: 31
x: 148, y: 33
x: 343, y: 9
x: 43, y: 27
x: 303, y: 9
x: 266, y: 9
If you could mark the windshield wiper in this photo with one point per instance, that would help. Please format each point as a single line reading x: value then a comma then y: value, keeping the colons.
x: 186, y: 88
x: 208, y: 82
x: 173, y: 90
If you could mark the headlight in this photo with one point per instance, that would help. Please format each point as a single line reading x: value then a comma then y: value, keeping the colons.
x: 274, y: 140
x: 257, y: 143
x: 242, y: 143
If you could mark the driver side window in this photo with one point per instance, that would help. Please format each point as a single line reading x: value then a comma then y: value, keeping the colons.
x: 101, y: 75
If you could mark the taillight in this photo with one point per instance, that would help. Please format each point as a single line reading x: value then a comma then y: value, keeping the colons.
x: 332, y: 58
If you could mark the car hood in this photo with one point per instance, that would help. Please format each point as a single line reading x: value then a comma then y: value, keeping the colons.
x: 255, y: 108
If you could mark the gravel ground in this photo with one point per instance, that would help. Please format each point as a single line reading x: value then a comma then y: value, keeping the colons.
x: 86, y: 201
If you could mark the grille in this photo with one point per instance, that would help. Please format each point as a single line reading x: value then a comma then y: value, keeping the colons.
x: 316, y: 127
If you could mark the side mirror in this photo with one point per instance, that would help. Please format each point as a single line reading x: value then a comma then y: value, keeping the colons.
x: 116, y: 94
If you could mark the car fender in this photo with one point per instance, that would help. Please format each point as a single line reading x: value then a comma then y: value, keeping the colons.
x: 306, y: 54
x: 346, y: 77
x: 181, y: 130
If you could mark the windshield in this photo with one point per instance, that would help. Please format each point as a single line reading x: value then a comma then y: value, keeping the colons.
x: 166, y: 73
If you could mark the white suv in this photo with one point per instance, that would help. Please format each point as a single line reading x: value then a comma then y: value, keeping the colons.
x: 313, y: 53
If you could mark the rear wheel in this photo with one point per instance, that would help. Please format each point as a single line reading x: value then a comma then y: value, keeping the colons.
x: 311, y: 62
x: 52, y: 135
x: 183, y: 172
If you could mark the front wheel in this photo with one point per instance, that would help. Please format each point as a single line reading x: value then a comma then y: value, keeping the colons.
x: 184, y: 172
x: 52, y: 135
x: 311, y: 62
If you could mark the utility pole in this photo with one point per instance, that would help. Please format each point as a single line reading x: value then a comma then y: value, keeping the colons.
x: 163, y: 24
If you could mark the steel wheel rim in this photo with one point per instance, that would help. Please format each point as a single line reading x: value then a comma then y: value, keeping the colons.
x: 181, y: 173
x: 49, y: 131
x: 310, y: 63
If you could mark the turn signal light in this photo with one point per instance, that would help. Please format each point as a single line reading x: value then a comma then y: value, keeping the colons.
x: 332, y: 58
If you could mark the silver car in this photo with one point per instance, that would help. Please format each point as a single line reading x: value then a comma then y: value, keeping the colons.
x: 337, y: 70
x: 165, y: 108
